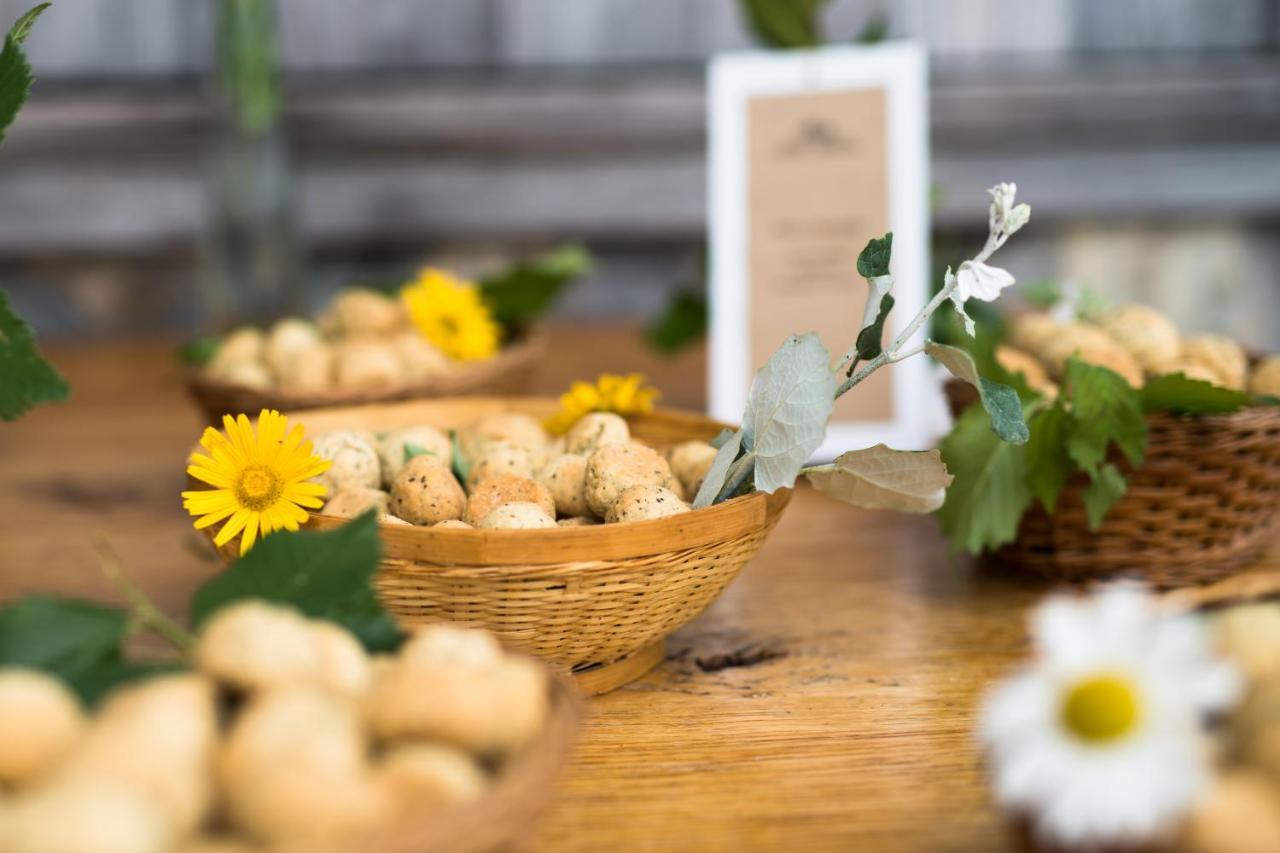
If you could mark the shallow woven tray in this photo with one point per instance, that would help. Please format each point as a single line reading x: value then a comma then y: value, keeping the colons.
x: 507, y: 815
x: 509, y: 372
x: 1204, y: 504
x: 596, y: 602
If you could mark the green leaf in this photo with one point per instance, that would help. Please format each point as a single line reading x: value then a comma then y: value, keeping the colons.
x: 785, y: 23
x: 1106, y: 487
x: 411, y: 450
x: 26, y: 379
x: 989, y: 494
x: 114, y: 671
x: 459, y: 463
x: 715, y: 477
x: 326, y: 575
x: 15, y: 74
x: 1048, y: 464
x: 77, y: 641
x: 873, y: 260
x: 197, y: 352
x: 523, y: 292
x: 883, y: 478
x: 869, y: 343
x: 1104, y: 409
x: 788, y: 407
x: 682, y: 323
x: 1175, y: 392
x: 1002, y: 404
x: 22, y: 27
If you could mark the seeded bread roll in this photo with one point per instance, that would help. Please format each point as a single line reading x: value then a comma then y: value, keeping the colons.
x: 367, y: 365
x: 613, y: 469
x: 307, y: 370
x: 1028, y: 366
x: 1149, y: 336
x: 1222, y: 356
x: 355, y: 462
x: 565, y: 477
x: 360, y: 312
x: 426, y: 492
x: 517, y: 515
x: 496, y: 458
x: 596, y: 430
x: 1265, y: 380
x: 1091, y: 345
x: 391, y: 448
x: 513, y: 427
x: 349, y: 503
x: 285, y: 338
x: 643, y: 503
x: 503, y: 489
x: 690, y: 461
x: 419, y: 357
x: 40, y: 722
x: 245, y: 344
x: 1032, y: 332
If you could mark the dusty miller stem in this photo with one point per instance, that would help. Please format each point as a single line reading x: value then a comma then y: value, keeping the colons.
x: 894, y: 351
x: 145, y: 612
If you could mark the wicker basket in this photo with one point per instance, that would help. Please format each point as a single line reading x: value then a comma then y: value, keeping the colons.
x: 509, y: 372
x: 596, y: 602
x: 1204, y: 504
x: 506, y: 816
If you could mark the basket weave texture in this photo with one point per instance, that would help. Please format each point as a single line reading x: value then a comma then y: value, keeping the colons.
x: 509, y: 372
x: 1205, y: 503
x: 580, y: 598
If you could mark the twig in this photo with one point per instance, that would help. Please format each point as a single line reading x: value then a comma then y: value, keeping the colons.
x: 146, y: 614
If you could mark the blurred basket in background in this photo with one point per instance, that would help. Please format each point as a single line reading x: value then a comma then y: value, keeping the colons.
x: 511, y: 371
x: 1204, y: 504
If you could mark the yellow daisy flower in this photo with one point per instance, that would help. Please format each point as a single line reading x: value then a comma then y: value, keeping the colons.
x: 259, y: 481
x: 450, y: 313
x: 624, y: 395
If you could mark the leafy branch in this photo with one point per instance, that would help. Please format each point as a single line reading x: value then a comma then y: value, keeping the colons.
x: 793, y: 394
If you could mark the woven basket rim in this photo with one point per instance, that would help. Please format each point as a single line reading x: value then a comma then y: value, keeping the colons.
x: 528, y: 347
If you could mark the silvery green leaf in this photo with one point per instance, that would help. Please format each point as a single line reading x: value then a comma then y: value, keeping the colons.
x: 788, y: 407
x: 883, y: 478
x: 1001, y: 402
x: 869, y: 343
x: 713, y: 482
x: 873, y: 260
x: 721, y: 437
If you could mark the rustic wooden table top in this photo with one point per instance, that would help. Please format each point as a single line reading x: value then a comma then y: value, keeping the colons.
x: 824, y: 702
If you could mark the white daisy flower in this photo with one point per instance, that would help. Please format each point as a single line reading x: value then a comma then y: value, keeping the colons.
x: 1099, y: 740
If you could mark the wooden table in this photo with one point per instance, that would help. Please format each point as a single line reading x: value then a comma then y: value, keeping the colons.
x: 845, y: 662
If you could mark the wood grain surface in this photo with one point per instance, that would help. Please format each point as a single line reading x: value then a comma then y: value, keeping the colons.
x: 824, y: 702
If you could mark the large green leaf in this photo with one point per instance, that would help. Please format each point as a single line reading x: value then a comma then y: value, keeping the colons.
x: 1002, y: 404
x: 520, y: 294
x: 1175, y: 392
x: 788, y: 407
x: 989, y: 493
x: 77, y: 641
x: 26, y: 379
x: 1107, y: 486
x: 1104, y: 409
x: 1049, y: 466
x: 714, y: 480
x: 326, y: 575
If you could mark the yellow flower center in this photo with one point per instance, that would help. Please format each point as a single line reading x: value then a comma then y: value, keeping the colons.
x: 1101, y: 708
x: 258, y: 487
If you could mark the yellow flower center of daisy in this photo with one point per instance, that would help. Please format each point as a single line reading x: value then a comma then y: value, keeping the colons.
x: 1101, y: 708
x: 258, y: 487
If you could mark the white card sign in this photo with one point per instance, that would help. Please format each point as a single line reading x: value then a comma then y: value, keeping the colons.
x: 812, y: 153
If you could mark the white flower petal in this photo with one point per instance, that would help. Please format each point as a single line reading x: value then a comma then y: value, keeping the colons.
x: 981, y: 281
x: 1081, y: 794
